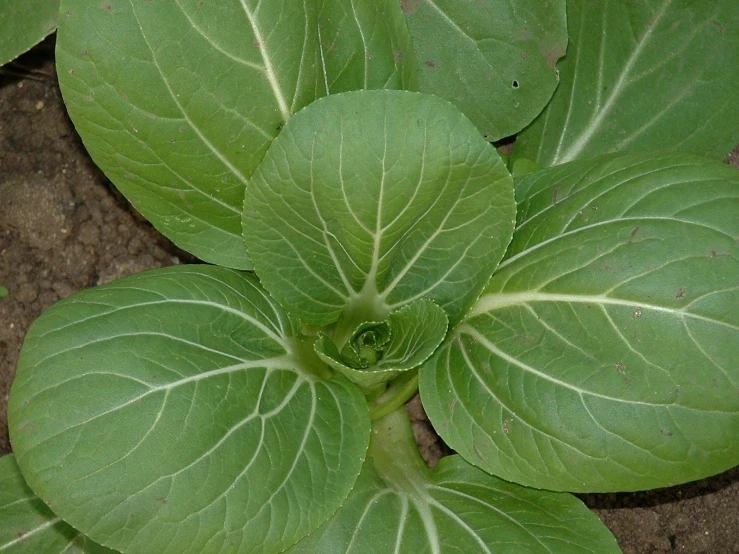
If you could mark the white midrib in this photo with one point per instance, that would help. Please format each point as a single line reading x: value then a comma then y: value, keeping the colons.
x: 370, y: 284
x: 268, y: 67
x: 490, y: 506
x: 186, y: 116
x: 579, y: 144
x: 270, y: 364
x: 490, y: 302
x: 451, y: 514
x: 423, y: 505
x: 24, y: 537
x: 512, y: 360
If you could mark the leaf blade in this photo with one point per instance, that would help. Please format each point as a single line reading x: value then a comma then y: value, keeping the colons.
x: 373, y: 199
x: 178, y: 102
x: 24, y: 24
x: 365, y: 45
x: 204, y: 377
x: 494, y: 60
x: 649, y: 76
x: 28, y: 525
x: 453, y: 507
x: 602, y: 348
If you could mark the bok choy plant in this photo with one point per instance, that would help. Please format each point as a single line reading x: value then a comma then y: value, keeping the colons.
x: 574, y: 329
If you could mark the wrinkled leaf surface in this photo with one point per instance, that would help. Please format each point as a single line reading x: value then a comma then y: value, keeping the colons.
x: 493, y: 59
x: 370, y: 200
x: 28, y: 525
x: 602, y: 354
x: 178, y: 101
x: 177, y: 411
x: 649, y: 75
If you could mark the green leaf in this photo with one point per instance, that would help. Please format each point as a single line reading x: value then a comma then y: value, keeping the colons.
x: 650, y: 75
x: 3, y: 291
x: 493, y: 59
x: 178, y: 102
x: 365, y: 44
x: 23, y: 24
x: 377, y: 352
x: 27, y: 525
x: 602, y: 354
x: 370, y: 200
x: 400, y: 505
x: 178, y: 411
x: 523, y: 166
x: 418, y: 329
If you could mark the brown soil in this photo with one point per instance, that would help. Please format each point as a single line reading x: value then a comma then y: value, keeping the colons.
x: 63, y: 227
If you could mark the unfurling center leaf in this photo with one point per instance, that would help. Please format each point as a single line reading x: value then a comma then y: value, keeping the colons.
x: 378, y: 351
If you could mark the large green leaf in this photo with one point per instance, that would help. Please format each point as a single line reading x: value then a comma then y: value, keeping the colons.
x: 177, y: 411
x: 177, y: 102
x: 494, y: 59
x: 27, y: 525
x: 23, y: 24
x: 369, y: 200
x: 602, y: 354
x: 649, y: 75
x: 399, y: 505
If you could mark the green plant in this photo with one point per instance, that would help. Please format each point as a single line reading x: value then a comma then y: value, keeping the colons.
x: 23, y: 24
x: 578, y: 337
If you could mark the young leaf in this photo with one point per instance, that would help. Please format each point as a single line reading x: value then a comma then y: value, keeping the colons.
x: 370, y: 200
x: 493, y: 59
x: 650, y: 75
x: 602, y: 354
x: 28, y: 525
x: 400, y: 505
x: 177, y: 102
x: 177, y: 411
x: 377, y: 352
x: 23, y: 24
x: 417, y: 330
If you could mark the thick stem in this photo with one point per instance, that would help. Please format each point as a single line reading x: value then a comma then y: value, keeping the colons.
x: 400, y: 390
x: 306, y: 358
x: 395, y: 453
x: 359, y: 309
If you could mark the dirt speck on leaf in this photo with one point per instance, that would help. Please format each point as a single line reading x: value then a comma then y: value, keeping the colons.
x: 478, y: 453
x: 552, y: 53
x: 409, y: 6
